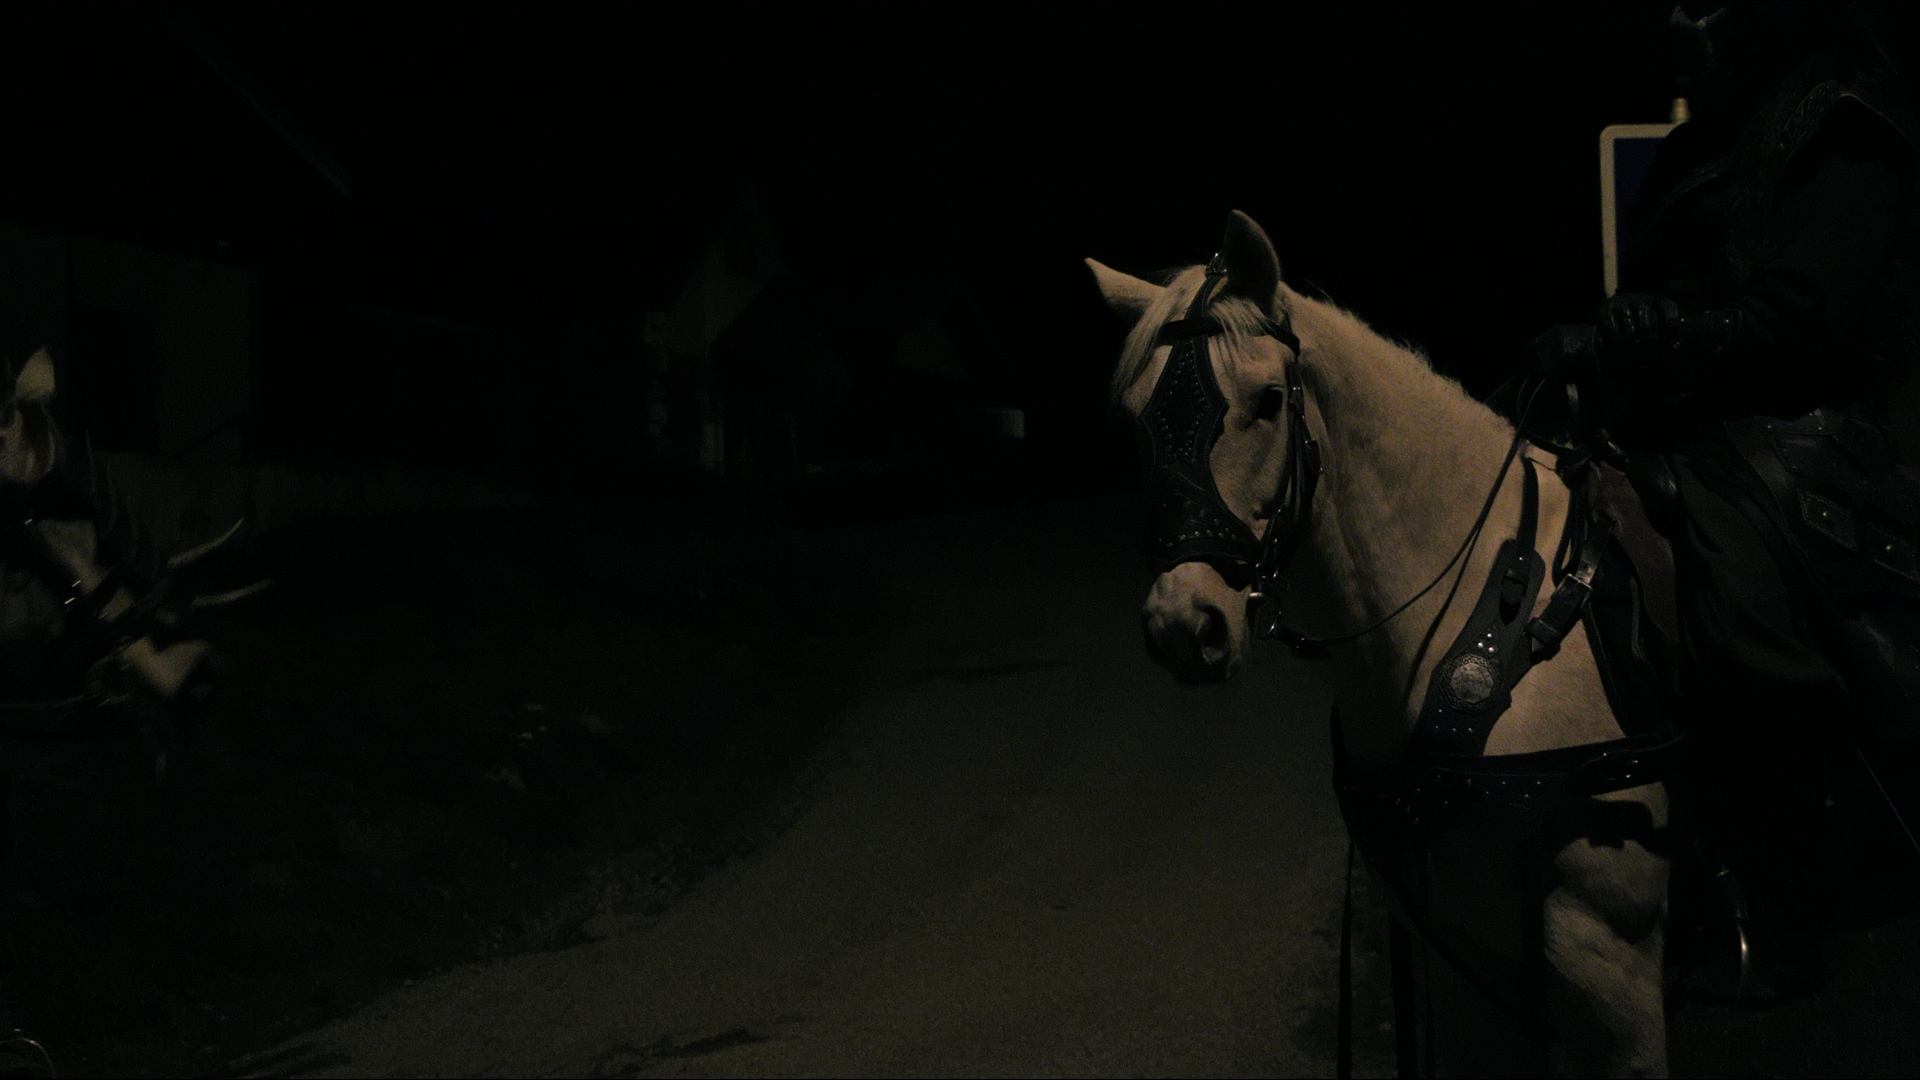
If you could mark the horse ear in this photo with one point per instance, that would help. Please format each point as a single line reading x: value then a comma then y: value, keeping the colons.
x: 35, y: 381
x: 1253, y: 270
x: 1128, y: 296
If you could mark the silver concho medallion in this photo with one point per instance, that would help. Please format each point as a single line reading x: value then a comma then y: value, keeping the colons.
x: 1471, y: 681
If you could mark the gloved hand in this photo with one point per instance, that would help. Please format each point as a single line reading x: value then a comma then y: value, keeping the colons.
x: 1566, y: 352
x: 1637, y: 324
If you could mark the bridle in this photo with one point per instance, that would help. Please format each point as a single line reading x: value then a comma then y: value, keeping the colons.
x: 1189, y: 521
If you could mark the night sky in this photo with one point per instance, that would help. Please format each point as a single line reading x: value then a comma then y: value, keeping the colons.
x: 539, y: 168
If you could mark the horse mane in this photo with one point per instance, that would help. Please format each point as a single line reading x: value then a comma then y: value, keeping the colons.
x: 1242, y: 320
x: 1364, y: 336
x: 1239, y: 317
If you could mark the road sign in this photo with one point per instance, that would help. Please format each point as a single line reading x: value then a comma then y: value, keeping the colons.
x: 1626, y: 155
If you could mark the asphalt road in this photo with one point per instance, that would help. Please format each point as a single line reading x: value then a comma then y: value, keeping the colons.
x: 1026, y: 851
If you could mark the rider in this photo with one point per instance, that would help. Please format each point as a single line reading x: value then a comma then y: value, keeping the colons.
x: 1772, y: 267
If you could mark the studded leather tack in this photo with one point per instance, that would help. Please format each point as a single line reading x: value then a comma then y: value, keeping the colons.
x: 1443, y: 788
x: 1471, y: 686
x: 1187, y: 520
x: 1839, y: 483
x: 1830, y: 519
x: 1184, y: 407
x: 1873, y: 536
x: 1471, y: 682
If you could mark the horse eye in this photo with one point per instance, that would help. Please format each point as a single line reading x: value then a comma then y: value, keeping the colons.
x: 1272, y: 400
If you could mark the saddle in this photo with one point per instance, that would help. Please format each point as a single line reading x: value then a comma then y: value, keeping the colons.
x: 1847, y: 513
x: 1841, y: 514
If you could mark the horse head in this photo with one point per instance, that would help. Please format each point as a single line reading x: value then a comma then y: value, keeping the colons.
x: 1205, y: 374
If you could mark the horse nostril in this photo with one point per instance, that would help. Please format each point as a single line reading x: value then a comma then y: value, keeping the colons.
x: 1196, y: 646
x: 1170, y: 645
x: 1212, y: 633
x: 1152, y: 639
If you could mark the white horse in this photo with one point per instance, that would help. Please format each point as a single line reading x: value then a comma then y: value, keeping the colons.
x: 1409, y: 460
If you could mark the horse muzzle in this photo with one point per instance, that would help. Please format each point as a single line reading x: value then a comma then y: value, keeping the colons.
x: 1194, y: 625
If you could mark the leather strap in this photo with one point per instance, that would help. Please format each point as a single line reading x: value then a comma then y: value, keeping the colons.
x: 1771, y: 509
x: 1574, y: 590
x: 1312, y: 648
x: 1471, y: 686
x: 1400, y: 964
x: 70, y: 718
x: 1343, y: 1049
x: 1190, y: 327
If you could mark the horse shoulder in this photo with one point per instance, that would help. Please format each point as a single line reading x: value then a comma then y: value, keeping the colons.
x: 1561, y: 702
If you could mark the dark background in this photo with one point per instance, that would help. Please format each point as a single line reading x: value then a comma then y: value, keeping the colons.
x: 534, y: 177
x: 459, y: 735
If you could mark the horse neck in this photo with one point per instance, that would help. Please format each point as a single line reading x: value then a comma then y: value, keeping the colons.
x: 1409, y: 458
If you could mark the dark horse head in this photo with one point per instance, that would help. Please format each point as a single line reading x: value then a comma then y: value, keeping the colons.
x: 91, y: 615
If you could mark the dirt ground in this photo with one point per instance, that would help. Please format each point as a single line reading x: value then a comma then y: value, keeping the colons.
x: 698, y: 793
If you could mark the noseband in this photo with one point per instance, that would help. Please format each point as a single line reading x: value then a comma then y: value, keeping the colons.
x: 1187, y: 519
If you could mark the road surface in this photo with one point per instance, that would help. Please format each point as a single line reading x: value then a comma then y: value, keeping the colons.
x: 1026, y: 851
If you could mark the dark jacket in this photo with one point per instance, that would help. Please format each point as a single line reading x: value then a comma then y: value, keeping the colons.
x: 1787, y: 232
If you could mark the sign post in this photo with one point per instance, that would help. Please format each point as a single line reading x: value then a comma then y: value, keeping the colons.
x: 1626, y: 155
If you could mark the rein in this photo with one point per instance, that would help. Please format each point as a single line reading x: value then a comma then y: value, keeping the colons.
x: 1310, y: 648
x: 1190, y: 522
